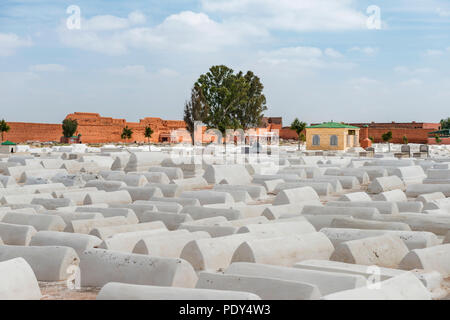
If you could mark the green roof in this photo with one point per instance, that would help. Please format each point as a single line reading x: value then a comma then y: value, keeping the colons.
x: 333, y: 125
x: 8, y: 143
x: 444, y: 131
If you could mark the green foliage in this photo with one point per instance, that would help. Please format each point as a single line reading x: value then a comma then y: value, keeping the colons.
x: 127, y: 133
x: 298, y: 126
x: 445, y: 123
x: 372, y: 139
x: 405, y: 140
x: 4, y: 127
x: 148, y: 133
x: 69, y: 127
x: 195, y: 109
x: 233, y: 100
x: 302, y: 137
x: 386, y: 137
x: 438, y: 139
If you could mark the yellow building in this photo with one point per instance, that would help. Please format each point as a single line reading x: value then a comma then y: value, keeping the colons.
x: 332, y: 136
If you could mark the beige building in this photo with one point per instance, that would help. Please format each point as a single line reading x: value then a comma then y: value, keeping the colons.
x: 332, y: 136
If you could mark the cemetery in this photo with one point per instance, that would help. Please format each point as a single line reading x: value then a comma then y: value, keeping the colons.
x: 148, y: 223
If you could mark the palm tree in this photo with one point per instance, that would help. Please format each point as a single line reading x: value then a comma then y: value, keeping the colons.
x: 127, y: 133
x: 299, y: 126
x: 4, y: 127
x: 386, y: 138
x: 148, y: 133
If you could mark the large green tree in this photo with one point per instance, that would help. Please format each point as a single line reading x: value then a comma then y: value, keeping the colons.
x: 69, y: 127
x: 445, y: 123
x: 251, y: 110
x: 299, y: 127
x: 195, y: 109
x: 4, y: 127
x: 232, y: 100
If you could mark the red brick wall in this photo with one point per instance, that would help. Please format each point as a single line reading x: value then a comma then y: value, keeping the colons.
x: 22, y: 132
x: 416, y: 132
x: 287, y: 133
x: 413, y: 135
x: 96, y: 129
x: 444, y: 141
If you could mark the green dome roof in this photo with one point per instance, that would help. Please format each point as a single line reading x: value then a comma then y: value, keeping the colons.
x: 8, y: 143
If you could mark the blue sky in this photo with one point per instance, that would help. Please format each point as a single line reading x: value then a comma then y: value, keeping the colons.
x: 317, y: 59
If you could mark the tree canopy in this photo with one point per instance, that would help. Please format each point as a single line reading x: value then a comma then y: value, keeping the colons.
x: 4, y: 127
x: 195, y: 110
x: 233, y: 101
x: 127, y: 133
x: 445, y: 123
x: 148, y: 133
x: 387, y: 136
x: 298, y: 126
x: 69, y: 127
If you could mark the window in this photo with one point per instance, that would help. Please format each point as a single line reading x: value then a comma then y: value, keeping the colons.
x: 316, y: 140
x: 333, y: 140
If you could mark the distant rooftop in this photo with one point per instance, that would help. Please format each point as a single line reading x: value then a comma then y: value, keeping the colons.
x: 333, y: 125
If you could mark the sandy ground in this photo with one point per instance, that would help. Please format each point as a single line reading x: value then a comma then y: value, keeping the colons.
x: 60, y: 291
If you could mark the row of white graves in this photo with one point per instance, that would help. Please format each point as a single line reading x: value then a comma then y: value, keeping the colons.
x: 213, y: 223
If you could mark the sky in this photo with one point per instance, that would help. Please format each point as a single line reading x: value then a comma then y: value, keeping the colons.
x: 319, y: 60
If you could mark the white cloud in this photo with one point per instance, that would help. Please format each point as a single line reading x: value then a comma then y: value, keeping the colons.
x: 369, y: 51
x: 333, y: 53
x: 300, y: 56
x: 363, y: 83
x: 442, y: 12
x: 109, y: 22
x: 10, y: 42
x: 166, y: 72
x: 434, y: 53
x: 140, y: 71
x: 412, y: 71
x: 129, y: 71
x: 305, y: 15
x: 304, y: 59
x: 189, y: 31
x: 411, y: 82
x: 136, y: 17
x: 47, y: 68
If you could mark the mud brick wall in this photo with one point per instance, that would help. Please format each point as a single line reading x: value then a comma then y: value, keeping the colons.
x: 21, y: 132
